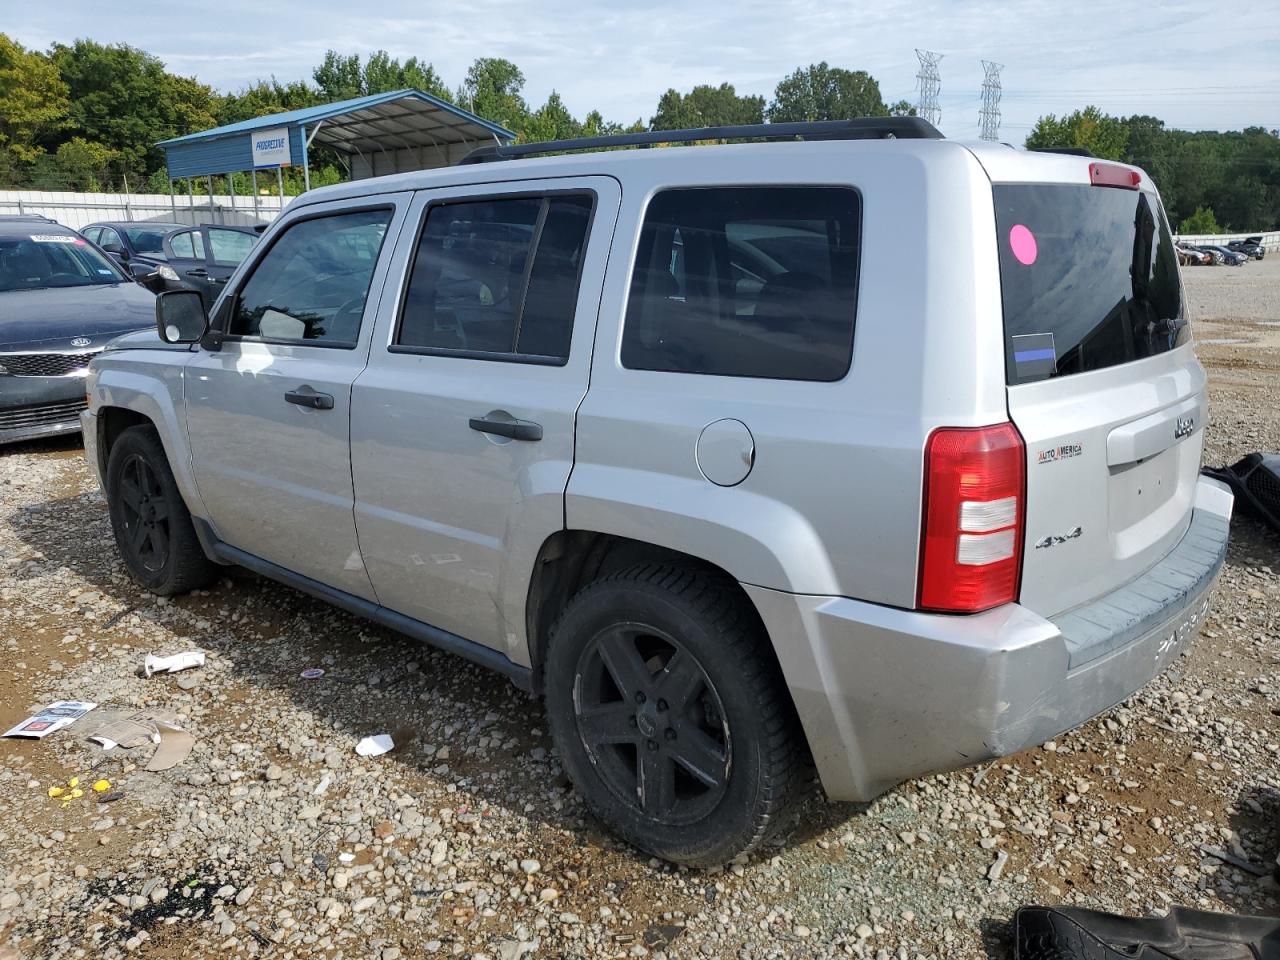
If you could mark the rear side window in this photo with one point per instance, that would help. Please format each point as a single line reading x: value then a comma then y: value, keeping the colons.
x: 313, y: 282
x: 497, y: 278
x: 1089, y: 277
x: 746, y: 282
x: 229, y: 247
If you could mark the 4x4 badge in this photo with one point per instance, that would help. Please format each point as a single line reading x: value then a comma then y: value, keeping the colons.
x: 1053, y: 540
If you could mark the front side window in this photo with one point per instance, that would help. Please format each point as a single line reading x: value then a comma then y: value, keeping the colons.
x: 746, y: 282
x: 148, y: 241
x: 313, y: 282
x: 187, y: 245
x: 229, y: 247
x: 39, y: 261
x: 497, y: 276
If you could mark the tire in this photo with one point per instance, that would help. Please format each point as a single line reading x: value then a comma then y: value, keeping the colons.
x: 660, y: 675
x: 151, y: 523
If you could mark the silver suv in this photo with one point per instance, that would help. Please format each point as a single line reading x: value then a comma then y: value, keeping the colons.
x: 870, y: 450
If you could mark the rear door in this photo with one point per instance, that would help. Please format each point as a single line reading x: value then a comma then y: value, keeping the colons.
x: 463, y: 423
x: 1103, y: 383
x: 225, y: 250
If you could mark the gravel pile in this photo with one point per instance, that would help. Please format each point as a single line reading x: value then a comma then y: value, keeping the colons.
x: 274, y: 839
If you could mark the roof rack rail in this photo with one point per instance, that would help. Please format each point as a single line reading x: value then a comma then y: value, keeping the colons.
x: 860, y: 128
x: 27, y: 216
x: 1069, y: 151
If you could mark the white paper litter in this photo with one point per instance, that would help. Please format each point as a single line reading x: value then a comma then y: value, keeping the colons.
x: 172, y: 663
x: 53, y: 717
x: 376, y: 745
x: 347, y: 857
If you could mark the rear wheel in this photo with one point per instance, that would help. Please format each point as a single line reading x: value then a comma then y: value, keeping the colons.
x: 152, y: 526
x: 669, y: 715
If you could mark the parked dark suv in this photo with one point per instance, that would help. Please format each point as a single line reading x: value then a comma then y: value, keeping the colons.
x: 138, y: 248
x: 61, y: 300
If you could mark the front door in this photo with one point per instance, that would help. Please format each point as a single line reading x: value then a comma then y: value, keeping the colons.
x: 463, y: 422
x: 268, y: 414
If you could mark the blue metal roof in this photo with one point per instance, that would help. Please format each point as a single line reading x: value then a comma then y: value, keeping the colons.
x: 309, y: 115
x: 401, y: 120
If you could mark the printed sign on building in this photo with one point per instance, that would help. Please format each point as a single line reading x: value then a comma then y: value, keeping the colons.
x: 271, y: 148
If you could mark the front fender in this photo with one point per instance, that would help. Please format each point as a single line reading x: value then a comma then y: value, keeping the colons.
x: 755, y: 539
x: 149, y: 383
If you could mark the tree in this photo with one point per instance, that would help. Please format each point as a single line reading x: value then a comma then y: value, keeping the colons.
x: 84, y: 165
x: 339, y: 77
x: 551, y: 121
x: 492, y: 91
x: 33, y: 101
x: 124, y: 99
x: 902, y: 108
x: 1102, y: 135
x: 706, y: 106
x: 822, y: 92
x: 1201, y: 222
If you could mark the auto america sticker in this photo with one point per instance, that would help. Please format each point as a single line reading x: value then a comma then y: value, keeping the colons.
x: 1062, y: 452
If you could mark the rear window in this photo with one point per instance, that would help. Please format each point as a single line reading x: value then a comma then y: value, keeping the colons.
x: 745, y: 282
x: 1089, y: 277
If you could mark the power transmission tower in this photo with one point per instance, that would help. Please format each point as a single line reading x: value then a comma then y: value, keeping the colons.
x: 989, y: 115
x: 930, y: 84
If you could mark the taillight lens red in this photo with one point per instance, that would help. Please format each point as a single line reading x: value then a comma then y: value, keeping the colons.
x: 1114, y: 175
x: 974, y: 498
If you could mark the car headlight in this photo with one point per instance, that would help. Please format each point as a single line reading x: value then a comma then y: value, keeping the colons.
x: 167, y: 272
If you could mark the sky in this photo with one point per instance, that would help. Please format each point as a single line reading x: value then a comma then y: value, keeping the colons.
x: 1195, y: 65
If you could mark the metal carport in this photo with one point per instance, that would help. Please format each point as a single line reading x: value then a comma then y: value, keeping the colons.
x: 379, y: 134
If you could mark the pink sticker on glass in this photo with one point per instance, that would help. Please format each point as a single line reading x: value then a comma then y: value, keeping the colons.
x: 1023, y: 243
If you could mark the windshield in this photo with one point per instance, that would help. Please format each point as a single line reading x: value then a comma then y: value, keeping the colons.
x: 35, y: 261
x: 148, y: 241
x: 1089, y: 277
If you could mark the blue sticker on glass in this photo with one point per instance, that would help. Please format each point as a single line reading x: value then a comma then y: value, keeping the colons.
x: 1034, y: 356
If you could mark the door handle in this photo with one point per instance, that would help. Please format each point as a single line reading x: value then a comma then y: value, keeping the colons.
x: 304, y: 396
x: 198, y: 272
x: 499, y: 423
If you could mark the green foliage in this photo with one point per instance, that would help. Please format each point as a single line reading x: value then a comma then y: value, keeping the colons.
x: 1200, y: 222
x: 87, y: 115
x: 822, y: 92
x: 33, y: 101
x: 492, y: 90
x: 706, y: 106
x: 1090, y: 128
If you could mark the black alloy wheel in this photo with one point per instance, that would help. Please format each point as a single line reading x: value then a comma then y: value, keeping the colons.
x: 652, y: 723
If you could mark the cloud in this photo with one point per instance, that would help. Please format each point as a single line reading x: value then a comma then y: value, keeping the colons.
x: 1191, y: 65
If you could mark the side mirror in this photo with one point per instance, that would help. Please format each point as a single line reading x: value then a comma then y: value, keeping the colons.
x: 113, y: 248
x: 180, y: 316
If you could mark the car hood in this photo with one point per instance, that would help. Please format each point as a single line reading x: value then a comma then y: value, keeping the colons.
x: 51, y: 318
x: 148, y: 339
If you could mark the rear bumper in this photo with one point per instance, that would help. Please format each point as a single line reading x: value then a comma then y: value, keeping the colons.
x: 887, y: 694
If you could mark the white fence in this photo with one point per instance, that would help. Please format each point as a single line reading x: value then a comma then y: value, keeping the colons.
x: 77, y: 210
x: 1270, y: 240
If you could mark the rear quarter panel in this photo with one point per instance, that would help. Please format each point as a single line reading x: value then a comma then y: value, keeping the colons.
x: 832, y: 504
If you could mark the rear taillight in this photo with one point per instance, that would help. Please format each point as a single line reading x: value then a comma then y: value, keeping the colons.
x: 1114, y: 175
x: 974, y: 499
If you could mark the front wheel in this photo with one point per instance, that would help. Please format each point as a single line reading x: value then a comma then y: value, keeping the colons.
x: 669, y: 714
x: 152, y: 526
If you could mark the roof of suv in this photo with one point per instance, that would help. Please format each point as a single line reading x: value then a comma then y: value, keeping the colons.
x: 1002, y: 163
x: 22, y: 227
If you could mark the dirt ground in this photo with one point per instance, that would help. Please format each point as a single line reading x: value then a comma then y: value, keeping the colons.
x: 274, y: 839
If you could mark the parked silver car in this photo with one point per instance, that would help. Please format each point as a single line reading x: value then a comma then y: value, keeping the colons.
x: 679, y: 441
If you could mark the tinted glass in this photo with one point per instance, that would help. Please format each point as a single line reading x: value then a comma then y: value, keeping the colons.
x: 148, y: 241
x: 497, y: 276
x: 37, y: 261
x: 187, y: 245
x: 746, y: 282
x: 1089, y: 277
x: 313, y: 282
x: 109, y: 238
x: 229, y: 247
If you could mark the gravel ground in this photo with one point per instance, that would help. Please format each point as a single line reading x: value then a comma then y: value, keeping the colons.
x: 275, y: 839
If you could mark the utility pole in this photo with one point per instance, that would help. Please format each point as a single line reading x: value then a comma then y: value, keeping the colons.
x: 930, y: 83
x: 989, y: 115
